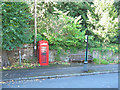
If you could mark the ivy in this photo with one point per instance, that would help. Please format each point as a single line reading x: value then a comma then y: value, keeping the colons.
x: 16, y: 20
x: 112, y: 48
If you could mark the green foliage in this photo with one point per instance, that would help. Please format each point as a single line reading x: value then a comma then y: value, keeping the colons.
x: 101, y: 61
x: 63, y: 24
x: 117, y: 6
x: 73, y: 50
x: 57, y: 57
x: 16, y: 20
x: 61, y: 30
x: 39, y: 37
x: 96, y: 61
x: 75, y: 10
x: 103, y: 21
x: 111, y: 61
x: 111, y: 47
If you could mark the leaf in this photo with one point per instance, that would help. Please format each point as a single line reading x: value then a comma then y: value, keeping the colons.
x: 15, y: 25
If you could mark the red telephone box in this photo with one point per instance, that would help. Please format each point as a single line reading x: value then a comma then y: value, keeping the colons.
x: 43, y: 52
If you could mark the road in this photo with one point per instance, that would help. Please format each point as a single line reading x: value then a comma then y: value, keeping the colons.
x: 55, y: 70
x: 89, y: 81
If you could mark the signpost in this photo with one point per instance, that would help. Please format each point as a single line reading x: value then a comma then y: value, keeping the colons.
x: 20, y: 56
x: 35, y: 4
x: 86, y: 55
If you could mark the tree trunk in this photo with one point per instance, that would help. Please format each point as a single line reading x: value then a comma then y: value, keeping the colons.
x: 5, y: 61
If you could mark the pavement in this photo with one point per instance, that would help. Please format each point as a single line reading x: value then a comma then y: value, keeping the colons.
x: 57, y: 71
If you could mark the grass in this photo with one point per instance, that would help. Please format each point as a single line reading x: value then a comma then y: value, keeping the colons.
x: 105, y: 62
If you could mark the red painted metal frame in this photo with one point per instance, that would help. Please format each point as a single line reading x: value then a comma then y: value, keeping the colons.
x: 41, y: 44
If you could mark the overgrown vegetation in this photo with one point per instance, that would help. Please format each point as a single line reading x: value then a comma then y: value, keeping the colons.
x: 99, y: 19
x: 103, y: 61
x: 16, y: 27
x: 62, y: 24
x: 112, y: 48
x: 16, y: 23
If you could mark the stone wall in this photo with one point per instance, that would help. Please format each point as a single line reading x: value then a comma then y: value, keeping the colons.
x: 65, y: 56
x: 52, y: 54
x: 27, y: 53
x: 108, y: 55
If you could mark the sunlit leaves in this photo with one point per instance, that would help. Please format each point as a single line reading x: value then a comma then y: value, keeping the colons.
x: 103, y: 20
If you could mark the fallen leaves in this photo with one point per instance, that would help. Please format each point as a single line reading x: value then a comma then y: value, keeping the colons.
x: 22, y: 66
x: 25, y: 65
x: 2, y: 82
x: 37, y: 79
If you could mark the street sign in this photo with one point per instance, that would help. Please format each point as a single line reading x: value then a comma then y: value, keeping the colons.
x: 86, y: 38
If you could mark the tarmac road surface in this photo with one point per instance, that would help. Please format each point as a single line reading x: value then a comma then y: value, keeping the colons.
x: 59, y: 70
x: 89, y: 81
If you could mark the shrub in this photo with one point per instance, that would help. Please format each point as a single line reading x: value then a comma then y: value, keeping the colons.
x: 111, y: 61
x: 96, y: 61
x: 104, y: 61
x: 117, y: 61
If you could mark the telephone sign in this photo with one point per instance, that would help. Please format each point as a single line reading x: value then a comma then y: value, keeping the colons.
x: 43, y: 52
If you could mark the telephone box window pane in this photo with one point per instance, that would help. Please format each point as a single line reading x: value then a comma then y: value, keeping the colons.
x: 44, y: 60
x: 43, y: 49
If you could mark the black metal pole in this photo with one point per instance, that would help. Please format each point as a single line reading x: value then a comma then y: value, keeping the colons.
x: 86, y: 50
x: 86, y: 56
